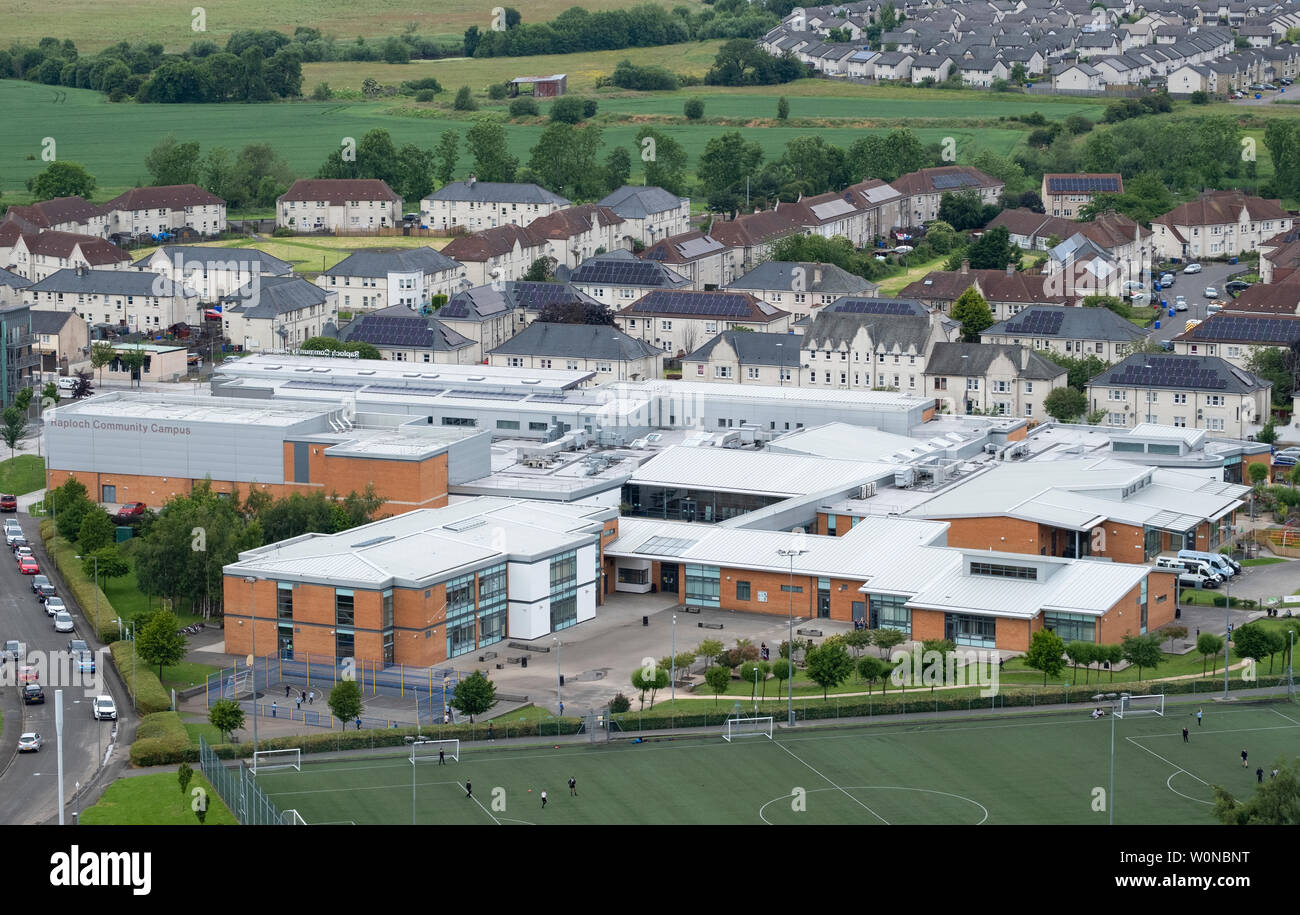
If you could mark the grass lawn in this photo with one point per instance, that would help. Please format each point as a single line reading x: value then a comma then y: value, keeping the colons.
x: 22, y: 474
x: 1263, y: 561
x: 1205, y: 598
x: 892, y: 285
x: 1023, y: 769
x: 186, y: 674
x: 528, y: 714
x: 199, y: 729
x: 155, y: 800
x: 316, y: 253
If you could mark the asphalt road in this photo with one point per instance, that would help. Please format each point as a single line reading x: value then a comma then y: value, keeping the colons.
x: 1193, y: 287
x: 29, y: 787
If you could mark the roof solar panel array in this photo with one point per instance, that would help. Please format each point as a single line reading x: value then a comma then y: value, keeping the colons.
x: 399, y: 389
x: 877, y: 306
x: 725, y: 304
x: 1170, y: 373
x: 619, y: 273
x: 322, y: 386
x: 1046, y: 323
x: 948, y: 182
x: 483, y: 395
x: 1083, y: 184
x: 1248, y: 329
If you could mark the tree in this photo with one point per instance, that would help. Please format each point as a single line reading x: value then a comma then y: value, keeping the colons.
x: 1267, y: 435
x: 487, y: 144
x: 1081, y: 653
x: 464, y: 100
x: 1275, y: 802
x: 567, y: 109
x: 63, y: 178
x: 445, y: 155
x: 226, y: 716
x: 693, y: 109
x: 664, y: 160
x: 170, y: 162
x: 1045, y: 650
x: 751, y: 672
x: 871, y: 669
x: 564, y: 160
x: 1142, y: 650
x: 618, y: 168
x: 184, y: 775
x: 474, y: 695
x: 974, y: 313
x: 1251, y: 642
x: 886, y: 639
x: 1258, y: 474
x: 70, y: 507
x: 782, y: 669
x: 718, y: 678
x: 782, y: 108
x: 857, y: 639
x: 15, y: 427
x: 962, y: 210
x: 726, y: 160
x: 96, y: 532
x: 1065, y: 404
x: 345, y: 699
x: 829, y: 665
x: 329, y: 344
x: 539, y: 271
x: 652, y: 679
x: 709, y: 649
x: 160, y: 640
x: 1209, y: 645
x: 993, y: 251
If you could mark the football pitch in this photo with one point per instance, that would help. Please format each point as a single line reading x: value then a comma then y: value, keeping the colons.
x: 1048, y: 769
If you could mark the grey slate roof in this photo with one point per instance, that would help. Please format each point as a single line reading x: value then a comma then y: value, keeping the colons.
x: 830, y: 329
x: 400, y: 326
x: 1066, y: 321
x: 633, y: 202
x: 109, y: 282
x: 275, y: 296
x: 207, y: 254
x: 9, y: 278
x: 1208, y: 374
x: 878, y: 306
x: 49, y: 322
x: 479, y: 303
x: 381, y: 262
x: 946, y: 359
x: 592, y: 341
x: 753, y: 348
x: 622, y: 268
x: 497, y: 192
x: 781, y: 275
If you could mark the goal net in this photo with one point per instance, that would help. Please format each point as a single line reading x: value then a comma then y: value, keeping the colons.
x: 1132, y: 706
x: 292, y: 818
x: 428, y: 750
x: 277, y: 759
x: 239, y: 684
x: 747, y: 727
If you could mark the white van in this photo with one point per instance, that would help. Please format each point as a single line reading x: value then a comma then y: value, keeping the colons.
x: 1199, y: 566
x: 1217, y: 561
x: 1191, y: 578
x: 67, y: 383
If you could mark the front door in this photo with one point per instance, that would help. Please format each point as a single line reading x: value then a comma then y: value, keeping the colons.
x: 668, y: 577
x: 824, y: 605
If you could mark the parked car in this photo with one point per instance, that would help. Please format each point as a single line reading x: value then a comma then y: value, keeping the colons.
x: 38, y: 581
x: 32, y: 694
x: 1256, y: 87
x: 13, y: 535
x: 1131, y: 287
x: 29, y: 742
x: 76, y: 645
x: 130, y: 513
x: 103, y: 709
x: 23, y: 552
x: 1235, y: 288
x: 53, y: 605
x: 1192, y: 268
x: 63, y: 622
x: 85, y: 662
x: 46, y: 591
x: 19, y: 541
x: 1167, y: 279
x: 29, y: 567
x: 8, y: 503
x: 1286, y: 81
x: 13, y: 650
x: 1211, y: 292
x: 1270, y: 87
x: 67, y: 384
x: 1180, y: 303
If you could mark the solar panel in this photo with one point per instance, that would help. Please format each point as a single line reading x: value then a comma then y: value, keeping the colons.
x: 549, y: 398
x: 1084, y: 184
x: 322, y: 386
x: 484, y: 395
x: 947, y: 182
x: 667, y: 546
x: 396, y: 389
x: 1189, y: 372
x: 1046, y: 323
x: 1248, y: 329
x: 721, y: 304
x: 877, y: 306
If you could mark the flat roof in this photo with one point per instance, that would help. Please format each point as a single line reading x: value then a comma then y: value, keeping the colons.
x: 845, y: 442
x: 756, y: 392
x: 384, y: 372
x: 158, y: 407
x: 760, y: 472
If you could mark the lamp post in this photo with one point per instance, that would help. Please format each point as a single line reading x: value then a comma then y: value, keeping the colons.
x: 791, y: 553
x: 1227, y: 631
x: 252, y: 650
x: 558, y: 697
x: 672, y: 666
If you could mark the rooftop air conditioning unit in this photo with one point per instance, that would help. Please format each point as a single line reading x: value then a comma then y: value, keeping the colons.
x: 866, y: 490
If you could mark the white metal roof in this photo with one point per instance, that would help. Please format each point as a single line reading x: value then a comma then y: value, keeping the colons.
x: 763, y: 472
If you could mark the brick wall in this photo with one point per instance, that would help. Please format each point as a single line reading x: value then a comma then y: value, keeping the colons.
x: 1011, y: 535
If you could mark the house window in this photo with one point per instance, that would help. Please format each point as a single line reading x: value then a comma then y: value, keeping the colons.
x: 722, y: 371
x: 751, y: 372
x: 742, y: 590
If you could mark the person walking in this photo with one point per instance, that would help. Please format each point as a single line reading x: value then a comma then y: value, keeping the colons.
x: 573, y: 786
x: 286, y: 690
x: 1259, y: 775
x: 358, y: 722
x: 1243, y: 759
x: 1199, y: 713
x: 311, y: 698
x: 491, y: 734
x: 1185, y: 740
x: 469, y: 789
x: 273, y: 709
x: 442, y: 758
x: 298, y: 702
x: 543, y: 800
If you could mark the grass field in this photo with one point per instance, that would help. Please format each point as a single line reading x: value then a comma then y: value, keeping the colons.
x: 22, y: 474
x: 1040, y: 770
x: 154, y: 800
x: 314, y: 254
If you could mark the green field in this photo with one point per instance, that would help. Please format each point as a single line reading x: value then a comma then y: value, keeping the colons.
x: 22, y: 474
x: 154, y: 800
x: 1039, y: 770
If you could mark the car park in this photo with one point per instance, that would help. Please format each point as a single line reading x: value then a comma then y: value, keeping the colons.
x: 29, y: 742
x: 29, y: 567
x: 1192, y: 268
x: 53, y: 605
x: 8, y: 503
x: 33, y: 694
x: 1211, y: 292
x: 63, y: 622
x: 103, y: 709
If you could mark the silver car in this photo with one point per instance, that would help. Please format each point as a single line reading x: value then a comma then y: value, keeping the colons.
x: 1192, y: 268
x: 54, y: 606
x: 29, y: 742
x: 1211, y: 292
x: 63, y: 622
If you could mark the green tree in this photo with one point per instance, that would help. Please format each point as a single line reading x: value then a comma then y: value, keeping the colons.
x: 1275, y: 801
x: 1250, y: 642
x: 184, y: 775
x: 97, y: 530
x: 226, y: 716
x: 726, y: 160
x: 464, y: 100
x: 1258, y: 473
x: 1045, y: 651
x: 567, y: 109
x: 1142, y: 650
x: 618, y: 168
x: 565, y: 162
x: 70, y: 506
x: 887, y: 639
x: 170, y: 162
x: 474, y: 695
x: 1268, y: 434
x: 962, y: 209
x: 62, y: 178
x: 663, y: 158
x: 133, y: 361
x: 160, y: 640
x: 693, y: 109
x: 486, y: 141
x: 15, y: 427
x: 782, y: 108
x: 857, y: 639
x: 1065, y: 404
x: 871, y: 669
x: 1209, y: 645
x: 718, y: 678
x: 709, y: 650
x: 751, y: 672
x: 829, y: 665
x: 1081, y: 653
x: 974, y: 313
x: 782, y: 669
x: 993, y: 251
x: 650, y: 679
x: 345, y: 700
x: 445, y: 155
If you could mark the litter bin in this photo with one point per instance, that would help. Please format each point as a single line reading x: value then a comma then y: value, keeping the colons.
x: 523, y: 662
x: 645, y: 621
x: 561, y: 679
x: 1157, y: 323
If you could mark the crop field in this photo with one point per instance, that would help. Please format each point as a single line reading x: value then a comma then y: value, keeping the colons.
x: 1044, y: 769
x: 170, y: 21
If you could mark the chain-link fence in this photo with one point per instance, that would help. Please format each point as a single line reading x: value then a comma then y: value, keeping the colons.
x: 237, y: 786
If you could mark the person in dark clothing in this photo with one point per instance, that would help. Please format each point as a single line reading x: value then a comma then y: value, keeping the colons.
x: 442, y: 758
x: 1185, y: 740
x: 469, y: 790
x: 573, y: 786
x: 1259, y: 775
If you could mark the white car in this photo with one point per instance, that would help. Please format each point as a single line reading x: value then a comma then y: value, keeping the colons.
x: 103, y: 709
x: 63, y: 622
x: 1180, y: 303
x: 29, y: 742
x: 1211, y: 292
x: 1192, y: 268
x: 54, y: 606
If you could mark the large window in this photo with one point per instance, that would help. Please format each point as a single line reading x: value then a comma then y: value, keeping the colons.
x: 460, y: 615
x: 343, y: 607
x: 1071, y: 627
x: 742, y: 590
x: 564, y: 590
x: 492, y: 611
x: 965, y: 629
x: 702, y: 586
x: 283, y: 600
x: 888, y: 612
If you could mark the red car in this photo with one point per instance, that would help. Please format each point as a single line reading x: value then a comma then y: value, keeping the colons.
x: 8, y: 503
x: 130, y: 513
x: 29, y: 567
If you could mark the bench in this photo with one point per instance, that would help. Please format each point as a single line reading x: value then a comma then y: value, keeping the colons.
x: 487, y: 655
x: 690, y: 609
x: 513, y: 660
x: 522, y: 647
x: 709, y: 625
x: 812, y: 632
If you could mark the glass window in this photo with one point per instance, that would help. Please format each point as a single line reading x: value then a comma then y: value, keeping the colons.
x: 343, y: 607
x: 742, y: 590
x: 966, y: 629
x: 283, y: 601
x: 702, y: 586
x: 1071, y: 627
x: 998, y: 570
x: 564, y: 590
x: 344, y: 644
x: 460, y: 615
x: 888, y: 611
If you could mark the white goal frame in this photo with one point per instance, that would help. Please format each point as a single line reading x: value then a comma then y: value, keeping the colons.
x: 426, y: 750
x: 747, y: 727
x: 261, y: 759
x: 1154, y: 705
x: 292, y: 818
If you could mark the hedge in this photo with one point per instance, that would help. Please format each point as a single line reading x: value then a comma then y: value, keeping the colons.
x: 82, y: 589
x: 162, y: 740
x: 148, y: 689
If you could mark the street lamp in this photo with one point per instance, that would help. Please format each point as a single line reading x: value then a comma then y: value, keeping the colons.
x: 672, y: 666
x: 558, y: 676
x: 252, y: 650
x: 791, y: 553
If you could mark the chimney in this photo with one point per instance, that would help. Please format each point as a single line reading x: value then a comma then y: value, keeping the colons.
x: 470, y: 180
x: 817, y: 275
x: 1011, y: 269
x: 965, y: 266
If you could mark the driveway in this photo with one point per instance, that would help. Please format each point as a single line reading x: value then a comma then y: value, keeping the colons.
x: 1192, y: 286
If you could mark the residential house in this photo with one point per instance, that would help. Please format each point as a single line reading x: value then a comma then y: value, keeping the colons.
x: 698, y: 256
x: 607, y: 352
x: 61, y: 339
x: 529, y: 298
x: 213, y: 272
x: 576, y: 233
x: 278, y: 313
x: 649, y: 213
x: 1219, y: 224
x: 475, y: 205
x: 733, y: 356
x: 12, y: 286
x: 893, y: 66
x: 165, y: 209
x: 1069, y: 331
x: 755, y: 234
x: 880, y: 205
x: 380, y: 278
x: 865, y: 352
x: 1279, y: 256
x: 132, y: 299
x: 1280, y: 298
x: 61, y: 214
x: 1192, y: 392
x: 619, y: 278
x: 996, y: 379
x: 678, y: 321
x: 801, y: 288
x: 337, y: 205
x: 1079, y: 78
x: 19, y: 361
x: 483, y: 314
x: 402, y: 334
x: 1008, y: 292
x: 37, y: 256
x: 1030, y: 230
x: 932, y: 67
x: 925, y: 188
x: 496, y: 255
x: 1236, y: 337
x: 1065, y: 195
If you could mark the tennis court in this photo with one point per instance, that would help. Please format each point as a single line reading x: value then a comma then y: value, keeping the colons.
x: 1027, y: 769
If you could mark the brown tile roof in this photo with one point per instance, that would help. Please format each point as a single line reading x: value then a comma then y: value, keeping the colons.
x: 60, y: 244
x: 1273, y: 299
x: 338, y: 190
x: 488, y: 243
x: 10, y: 232
x: 170, y: 197
x: 922, y: 181
x: 573, y: 221
x: 994, y: 285
x: 1286, y: 250
x: 1029, y: 224
x: 1112, y: 230
x: 759, y: 228
x: 1216, y: 208
x: 55, y: 212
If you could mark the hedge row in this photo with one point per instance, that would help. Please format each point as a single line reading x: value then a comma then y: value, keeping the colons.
x: 162, y: 740
x: 82, y: 589
x: 150, y: 696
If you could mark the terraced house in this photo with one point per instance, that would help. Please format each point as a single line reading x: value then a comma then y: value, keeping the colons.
x: 1069, y: 331
x: 476, y: 204
x: 337, y: 204
x: 155, y: 210
x: 987, y: 378
x: 1219, y: 224
x: 61, y: 214
x: 213, y: 272
x: 131, y: 299
x: 37, y: 256
x: 870, y: 351
x: 400, y: 276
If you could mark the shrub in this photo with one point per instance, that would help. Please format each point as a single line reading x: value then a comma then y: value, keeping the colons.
x: 567, y: 109
x: 322, y: 92
x: 415, y: 85
x: 92, y: 600
x: 523, y: 107
x: 464, y: 100
x: 694, y: 109
x: 150, y: 695
x: 162, y: 740
x: 497, y: 91
x: 282, y: 232
x: 589, y: 108
x: 619, y: 704
x: 425, y: 95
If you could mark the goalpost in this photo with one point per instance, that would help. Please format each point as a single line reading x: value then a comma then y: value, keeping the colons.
x: 1132, y: 706
x: 292, y: 818
x: 427, y: 750
x: 277, y: 759
x: 747, y: 727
